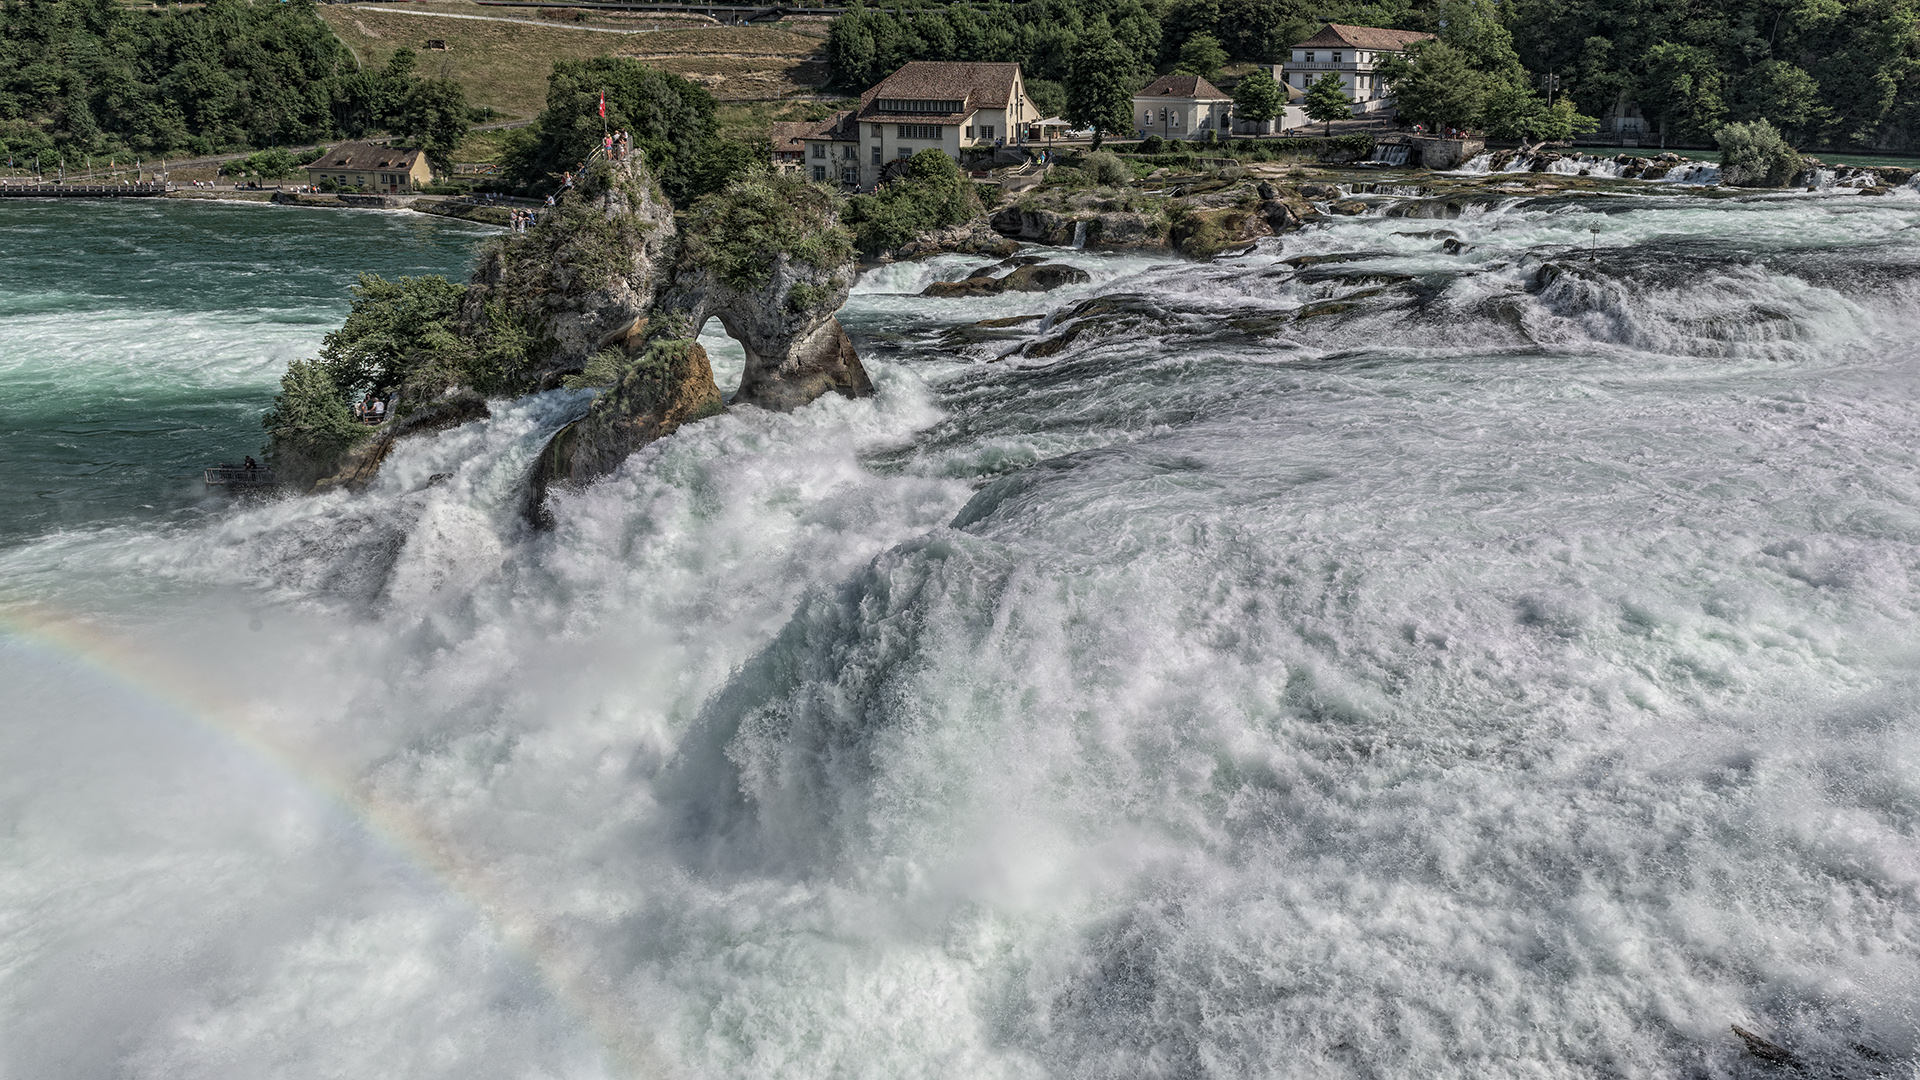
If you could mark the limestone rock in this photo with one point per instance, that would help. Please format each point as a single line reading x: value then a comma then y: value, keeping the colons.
x: 1034, y: 277
x: 581, y: 278
x: 975, y: 237
x: 668, y: 385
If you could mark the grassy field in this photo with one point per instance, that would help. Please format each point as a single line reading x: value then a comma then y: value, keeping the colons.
x: 504, y: 64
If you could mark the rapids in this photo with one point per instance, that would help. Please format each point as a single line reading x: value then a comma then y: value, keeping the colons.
x: 1404, y: 664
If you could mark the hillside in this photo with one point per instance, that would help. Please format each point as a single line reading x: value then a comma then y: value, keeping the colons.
x: 503, y: 55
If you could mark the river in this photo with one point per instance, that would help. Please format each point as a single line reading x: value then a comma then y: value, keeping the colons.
x: 1508, y: 669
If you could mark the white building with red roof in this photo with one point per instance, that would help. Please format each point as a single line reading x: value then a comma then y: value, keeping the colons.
x: 926, y: 105
x: 1354, y: 53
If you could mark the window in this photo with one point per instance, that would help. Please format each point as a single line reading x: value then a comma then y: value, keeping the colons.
x: 1146, y: 118
x: 916, y: 105
x: 850, y: 175
x: 820, y: 151
x: 1336, y: 58
x: 850, y: 154
x: 986, y: 131
x: 876, y: 155
x: 929, y: 132
x: 969, y: 131
x: 1309, y: 58
x: 820, y: 173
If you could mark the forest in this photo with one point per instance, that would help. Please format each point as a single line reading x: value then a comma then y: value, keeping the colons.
x: 1838, y: 73
x: 80, y: 77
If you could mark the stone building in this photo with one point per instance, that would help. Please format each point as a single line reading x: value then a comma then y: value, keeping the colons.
x: 1181, y: 107
x: 926, y: 105
x: 1352, y: 52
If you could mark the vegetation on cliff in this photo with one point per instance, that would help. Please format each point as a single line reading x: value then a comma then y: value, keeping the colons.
x: 933, y: 194
x: 671, y: 120
x: 309, y: 426
x: 98, y: 77
x: 740, y: 233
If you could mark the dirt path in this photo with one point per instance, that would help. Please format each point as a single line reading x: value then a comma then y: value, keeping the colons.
x: 525, y: 22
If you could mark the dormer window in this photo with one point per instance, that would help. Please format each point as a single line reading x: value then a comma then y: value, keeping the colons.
x: 917, y: 105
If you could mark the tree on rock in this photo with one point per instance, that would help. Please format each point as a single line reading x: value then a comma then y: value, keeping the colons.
x: 1755, y: 155
x: 1259, y: 97
x: 1100, y: 92
x: 671, y: 120
x: 1327, y: 102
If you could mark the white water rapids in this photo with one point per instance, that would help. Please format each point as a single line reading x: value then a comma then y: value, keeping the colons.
x: 1507, y: 670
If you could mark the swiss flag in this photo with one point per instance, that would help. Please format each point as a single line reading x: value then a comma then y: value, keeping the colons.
x: 603, y: 104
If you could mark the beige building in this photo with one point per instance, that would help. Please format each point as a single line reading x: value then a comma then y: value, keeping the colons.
x: 384, y: 170
x: 1181, y: 107
x: 789, y: 144
x: 1352, y: 52
x: 926, y: 105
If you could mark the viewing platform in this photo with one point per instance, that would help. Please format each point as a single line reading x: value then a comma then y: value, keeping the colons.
x: 241, y: 478
x: 84, y: 191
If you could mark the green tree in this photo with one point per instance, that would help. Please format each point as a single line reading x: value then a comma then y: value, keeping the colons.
x: 1433, y: 81
x: 1202, y: 55
x: 309, y: 425
x: 1327, y: 101
x: 1782, y: 94
x: 1100, y: 92
x: 1258, y: 97
x: 671, y: 120
x: 932, y: 194
x: 434, y: 115
x: 1684, y: 86
x: 390, y: 325
x: 1047, y: 96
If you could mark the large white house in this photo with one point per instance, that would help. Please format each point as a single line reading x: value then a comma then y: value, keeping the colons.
x: 1352, y: 52
x: 926, y: 105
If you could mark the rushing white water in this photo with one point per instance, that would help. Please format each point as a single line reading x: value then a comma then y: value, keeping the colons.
x: 1417, y: 664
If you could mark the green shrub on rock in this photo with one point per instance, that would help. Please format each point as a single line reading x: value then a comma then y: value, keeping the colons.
x: 1756, y: 155
x: 933, y: 194
x: 1106, y: 169
x: 310, y: 425
x: 739, y: 233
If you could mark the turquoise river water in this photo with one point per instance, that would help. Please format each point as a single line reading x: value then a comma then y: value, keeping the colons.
x: 1507, y: 670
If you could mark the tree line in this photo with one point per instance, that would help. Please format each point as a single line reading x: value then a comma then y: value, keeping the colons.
x: 1831, y: 72
x: 94, y: 77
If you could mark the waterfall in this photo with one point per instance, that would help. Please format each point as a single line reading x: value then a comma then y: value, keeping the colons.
x: 1079, y: 235
x: 1394, y: 154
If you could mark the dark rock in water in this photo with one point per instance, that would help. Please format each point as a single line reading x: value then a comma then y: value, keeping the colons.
x: 1427, y: 208
x: 1432, y: 234
x: 1318, y: 260
x: 1766, y: 1051
x: 1895, y: 176
x: 1103, y: 317
x: 1319, y: 191
x: 975, y: 237
x: 1456, y: 246
x: 1348, y: 207
x: 1315, y: 311
x: 1266, y: 191
x: 1040, y: 277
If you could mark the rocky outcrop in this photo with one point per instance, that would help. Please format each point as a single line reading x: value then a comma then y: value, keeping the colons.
x: 1027, y: 274
x: 580, y: 280
x: 768, y: 258
x: 669, y: 384
x: 975, y: 237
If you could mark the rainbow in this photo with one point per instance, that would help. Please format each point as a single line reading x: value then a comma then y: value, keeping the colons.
x: 393, y: 826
